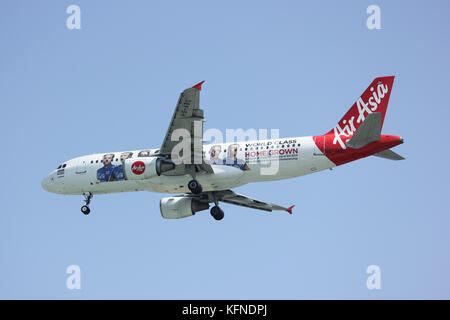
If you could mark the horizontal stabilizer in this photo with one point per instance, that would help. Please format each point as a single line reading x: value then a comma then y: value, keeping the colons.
x: 369, y: 131
x: 389, y: 154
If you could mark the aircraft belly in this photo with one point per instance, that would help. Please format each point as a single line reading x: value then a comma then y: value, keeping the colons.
x: 224, y: 177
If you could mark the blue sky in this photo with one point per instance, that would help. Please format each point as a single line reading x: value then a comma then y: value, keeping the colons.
x: 290, y: 65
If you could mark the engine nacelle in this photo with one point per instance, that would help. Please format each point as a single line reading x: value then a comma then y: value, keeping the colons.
x: 180, y: 207
x: 146, y: 167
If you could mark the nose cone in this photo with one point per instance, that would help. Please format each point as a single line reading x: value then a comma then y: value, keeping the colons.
x: 45, y: 184
x: 49, y: 184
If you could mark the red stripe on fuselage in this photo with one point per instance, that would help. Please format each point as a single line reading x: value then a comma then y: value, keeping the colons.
x: 338, y: 155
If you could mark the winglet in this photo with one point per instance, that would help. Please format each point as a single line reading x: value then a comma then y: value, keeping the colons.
x: 290, y: 209
x: 198, y: 86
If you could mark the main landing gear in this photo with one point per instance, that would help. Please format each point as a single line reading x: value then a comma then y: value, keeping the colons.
x: 87, y: 199
x: 217, y: 213
x: 195, y: 187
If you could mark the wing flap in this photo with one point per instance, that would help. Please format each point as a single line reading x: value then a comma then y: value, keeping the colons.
x: 231, y: 197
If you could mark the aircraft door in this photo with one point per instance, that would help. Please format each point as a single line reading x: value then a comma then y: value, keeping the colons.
x: 81, y: 166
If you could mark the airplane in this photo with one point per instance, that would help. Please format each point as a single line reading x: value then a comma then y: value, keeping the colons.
x: 204, y: 174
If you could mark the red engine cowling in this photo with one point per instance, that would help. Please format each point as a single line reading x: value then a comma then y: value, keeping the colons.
x: 180, y: 207
x: 146, y: 167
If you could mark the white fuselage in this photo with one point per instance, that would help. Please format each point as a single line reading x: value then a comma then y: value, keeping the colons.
x: 265, y: 160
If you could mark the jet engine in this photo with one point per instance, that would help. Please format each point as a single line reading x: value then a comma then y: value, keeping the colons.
x: 146, y: 167
x: 180, y: 207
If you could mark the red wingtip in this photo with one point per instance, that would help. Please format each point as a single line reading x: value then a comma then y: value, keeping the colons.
x: 198, y: 86
x: 290, y: 209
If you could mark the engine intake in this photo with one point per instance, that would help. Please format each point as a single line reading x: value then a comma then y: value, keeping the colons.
x: 180, y: 207
x: 146, y: 167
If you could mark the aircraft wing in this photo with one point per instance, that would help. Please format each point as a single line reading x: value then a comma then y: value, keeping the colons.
x: 231, y: 197
x: 188, y: 116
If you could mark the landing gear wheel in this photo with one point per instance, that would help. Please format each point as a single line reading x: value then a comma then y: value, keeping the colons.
x: 87, y: 199
x: 217, y: 213
x: 85, y: 210
x: 195, y: 187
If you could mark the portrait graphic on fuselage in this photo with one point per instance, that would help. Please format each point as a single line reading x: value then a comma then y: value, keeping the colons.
x: 214, y: 154
x: 105, y: 173
x: 110, y: 172
x: 144, y: 153
x: 119, y: 171
x: 231, y: 159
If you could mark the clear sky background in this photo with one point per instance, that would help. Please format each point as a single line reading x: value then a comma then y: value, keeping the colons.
x: 289, y: 65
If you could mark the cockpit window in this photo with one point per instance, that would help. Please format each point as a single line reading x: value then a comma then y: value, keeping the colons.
x: 64, y: 165
x: 59, y: 167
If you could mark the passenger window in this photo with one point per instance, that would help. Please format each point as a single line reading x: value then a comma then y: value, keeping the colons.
x: 96, y: 161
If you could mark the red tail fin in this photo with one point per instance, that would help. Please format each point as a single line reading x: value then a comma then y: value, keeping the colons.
x: 374, y: 99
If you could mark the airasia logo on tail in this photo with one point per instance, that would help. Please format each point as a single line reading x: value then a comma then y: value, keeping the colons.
x: 138, y: 168
x: 360, y: 110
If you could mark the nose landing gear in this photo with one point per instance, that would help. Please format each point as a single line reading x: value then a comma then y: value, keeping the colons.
x: 87, y: 199
x: 85, y: 210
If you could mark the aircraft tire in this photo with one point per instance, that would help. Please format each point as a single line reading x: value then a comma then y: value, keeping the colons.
x: 217, y: 213
x: 195, y: 187
x: 85, y: 210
